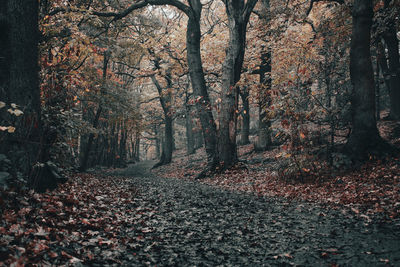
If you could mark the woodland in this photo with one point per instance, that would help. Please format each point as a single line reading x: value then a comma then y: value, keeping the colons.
x: 199, y: 132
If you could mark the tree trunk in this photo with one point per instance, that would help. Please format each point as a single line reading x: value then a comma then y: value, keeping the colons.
x: 364, y: 137
x: 264, y: 140
x: 4, y: 53
x: 137, y: 147
x: 264, y: 124
x: 377, y: 90
x: 238, y: 13
x: 198, y: 140
x: 189, y: 127
x: 196, y: 73
x: 165, y: 100
x: 157, y: 139
x: 19, y: 84
x: 384, y: 68
x: 84, y: 163
x: 392, y: 43
x: 20, y: 80
x: 245, y: 131
x: 168, y: 140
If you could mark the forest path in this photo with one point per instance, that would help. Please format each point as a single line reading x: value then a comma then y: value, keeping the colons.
x: 192, y: 224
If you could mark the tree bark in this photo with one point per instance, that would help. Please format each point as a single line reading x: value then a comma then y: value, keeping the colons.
x: 392, y: 43
x: 189, y: 126
x: 4, y: 52
x: 377, y: 90
x: 264, y: 140
x: 384, y: 68
x: 238, y: 13
x: 158, y: 143
x: 137, y: 148
x: 202, y: 99
x: 364, y: 137
x: 245, y: 131
x: 264, y: 124
x: 165, y: 100
x: 88, y: 147
x: 20, y: 78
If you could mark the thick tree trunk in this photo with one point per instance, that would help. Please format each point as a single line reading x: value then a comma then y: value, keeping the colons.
x: 22, y: 80
x: 230, y: 92
x: 238, y: 13
x: 245, y: 131
x: 198, y: 140
x: 19, y: 84
x: 4, y: 52
x: 364, y: 137
x: 196, y: 73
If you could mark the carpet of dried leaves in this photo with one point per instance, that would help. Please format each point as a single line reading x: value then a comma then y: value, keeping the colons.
x: 368, y: 190
x: 80, y: 222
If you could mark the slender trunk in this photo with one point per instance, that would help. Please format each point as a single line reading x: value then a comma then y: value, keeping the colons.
x: 168, y: 140
x: 157, y: 137
x: 264, y: 124
x: 245, y: 131
x: 392, y: 43
x: 264, y: 140
x: 189, y: 127
x: 137, y: 148
x: 165, y: 101
x: 377, y: 89
x: 364, y: 136
x: 85, y: 157
x: 122, y: 145
x: 384, y: 68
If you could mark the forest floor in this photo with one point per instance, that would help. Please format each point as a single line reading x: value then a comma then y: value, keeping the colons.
x: 370, y: 190
x: 131, y: 217
x: 247, y: 216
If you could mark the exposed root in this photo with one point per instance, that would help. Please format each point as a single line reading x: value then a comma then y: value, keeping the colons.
x: 362, y: 150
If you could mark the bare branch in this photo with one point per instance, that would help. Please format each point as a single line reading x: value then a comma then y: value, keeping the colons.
x: 248, y: 8
x: 140, y: 4
x: 314, y: 1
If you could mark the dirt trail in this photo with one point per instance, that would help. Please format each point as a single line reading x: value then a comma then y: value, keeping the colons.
x: 192, y: 224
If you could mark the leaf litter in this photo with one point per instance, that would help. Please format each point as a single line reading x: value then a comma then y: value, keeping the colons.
x: 132, y: 218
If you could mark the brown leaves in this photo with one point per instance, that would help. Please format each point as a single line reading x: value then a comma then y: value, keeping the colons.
x: 85, y: 213
x: 372, y: 189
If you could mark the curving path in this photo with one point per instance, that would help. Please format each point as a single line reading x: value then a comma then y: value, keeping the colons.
x: 192, y: 224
